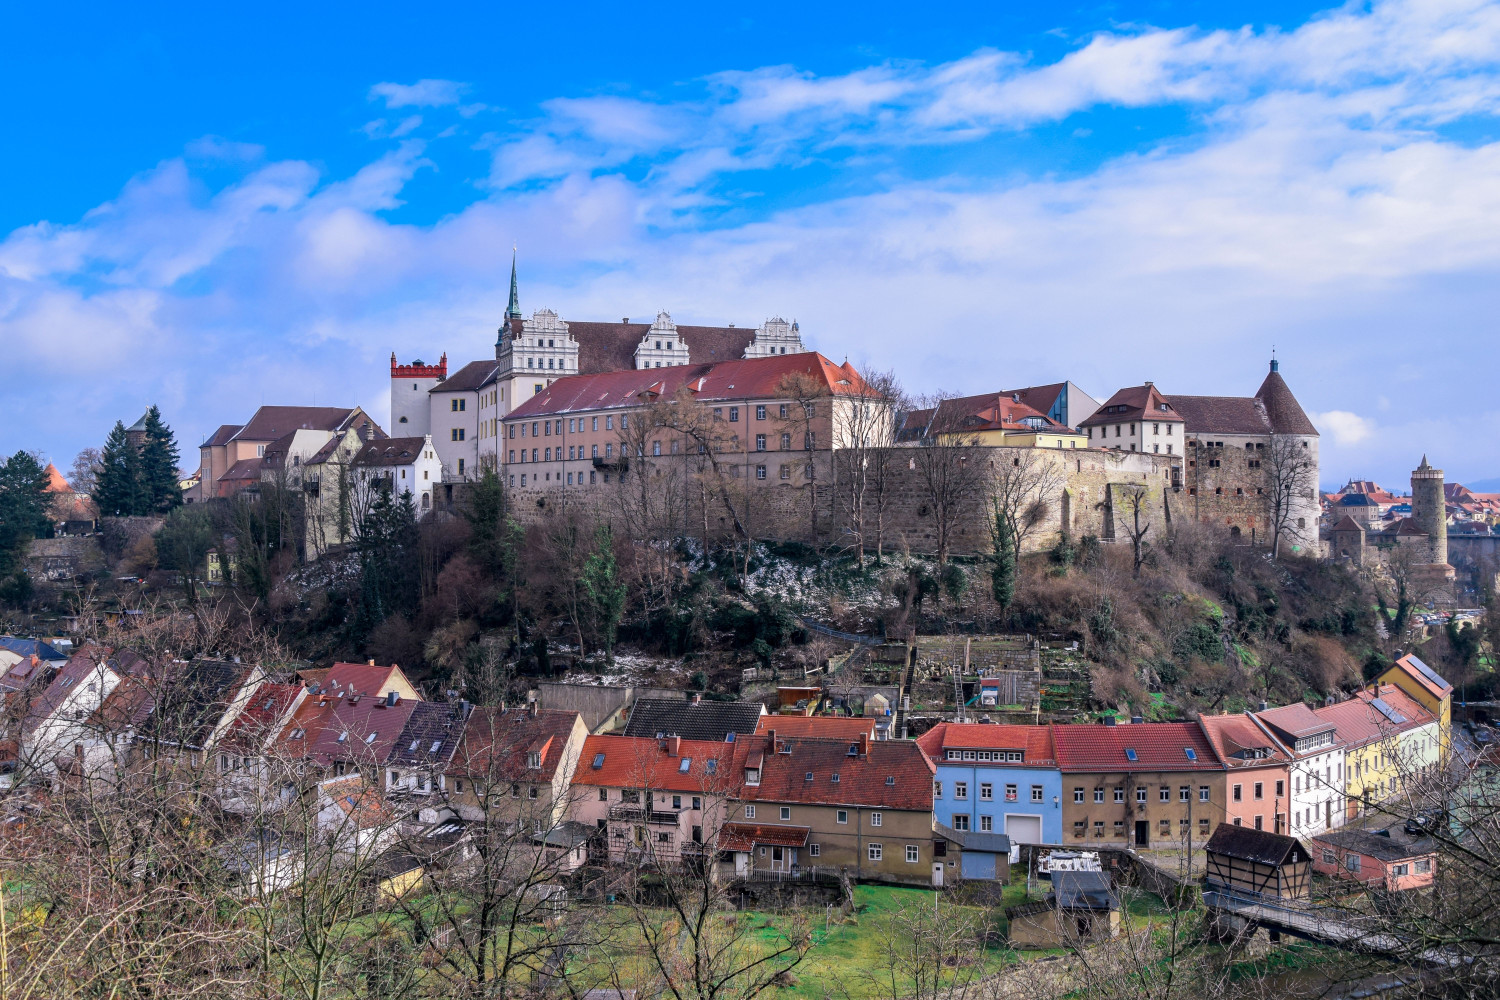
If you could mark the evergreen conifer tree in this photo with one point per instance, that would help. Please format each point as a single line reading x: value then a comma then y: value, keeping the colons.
x: 1002, y: 561
x: 24, y: 515
x: 117, y: 490
x: 158, y: 488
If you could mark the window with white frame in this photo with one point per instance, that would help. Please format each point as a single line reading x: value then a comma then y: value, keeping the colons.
x: 876, y: 819
x: 877, y: 851
x: 912, y: 854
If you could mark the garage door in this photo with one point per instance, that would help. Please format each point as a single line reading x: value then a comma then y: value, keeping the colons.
x: 1024, y: 829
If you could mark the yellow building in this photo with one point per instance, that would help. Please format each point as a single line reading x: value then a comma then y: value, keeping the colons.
x: 1371, y: 772
x: 991, y: 419
x: 1423, y: 685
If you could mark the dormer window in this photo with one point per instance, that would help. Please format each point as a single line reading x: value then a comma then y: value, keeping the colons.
x: 534, y: 760
x: 752, y: 776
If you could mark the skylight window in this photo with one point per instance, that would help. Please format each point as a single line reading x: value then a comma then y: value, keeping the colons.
x: 436, y: 745
x: 684, y: 765
x: 369, y: 739
x: 890, y: 779
x: 809, y: 776
x: 598, y: 761
x: 712, y: 767
x: 343, y: 737
x: 1191, y: 753
x: 729, y: 737
x: 413, y: 747
x: 1130, y: 754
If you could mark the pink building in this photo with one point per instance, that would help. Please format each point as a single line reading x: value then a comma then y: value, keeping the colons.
x: 654, y: 798
x: 1375, y: 859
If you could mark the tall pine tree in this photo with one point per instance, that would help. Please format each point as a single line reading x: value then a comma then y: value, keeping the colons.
x: 24, y: 515
x: 159, y: 490
x: 117, y: 489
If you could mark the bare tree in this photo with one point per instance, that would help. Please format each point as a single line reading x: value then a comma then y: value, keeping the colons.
x: 1025, y: 484
x: 807, y: 396
x: 1290, y: 484
x: 1134, y: 499
x: 864, y: 431
x: 949, y: 469
x: 84, y: 472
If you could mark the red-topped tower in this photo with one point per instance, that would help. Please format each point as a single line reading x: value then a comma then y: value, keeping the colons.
x: 411, y: 414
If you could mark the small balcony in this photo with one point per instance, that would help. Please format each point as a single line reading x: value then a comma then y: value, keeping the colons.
x: 638, y: 814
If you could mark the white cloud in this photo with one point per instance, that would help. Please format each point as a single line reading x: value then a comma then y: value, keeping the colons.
x: 422, y: 94
x: 1347, y: 428
x: 1311, y: 204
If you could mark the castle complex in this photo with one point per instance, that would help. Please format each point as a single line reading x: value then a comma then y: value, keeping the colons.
x: 463, y: 411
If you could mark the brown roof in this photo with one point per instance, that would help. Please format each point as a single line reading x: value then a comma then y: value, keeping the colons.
x: 1260, y: 846
x: 497, y: 741
x: 391, y: 451
x: 470, y: 377
x: 987, y: 411
x: 1039, y: 397
x: 1133, y: 404
x: 363, y: 729
x: 1292, y: 722
x: 1282, y: 407
x: 222, y: 436
x: 744, y: 836
x: 1347, y: 523
x: 245, y: 469
x: 1222, y: 414
x: 272, y: 422
x: 607, y: 347
x: 892, y: 774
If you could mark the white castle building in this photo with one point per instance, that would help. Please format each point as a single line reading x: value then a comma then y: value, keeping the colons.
x: 462, y: 411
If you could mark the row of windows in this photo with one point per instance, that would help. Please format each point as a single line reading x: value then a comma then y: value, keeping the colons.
x: 1163, y: 828
x: 1164, y: 793
x: 986, y: 791
x: 1012, y: 756
x: 841, y: 816
x: 1237, y: 792
x: 537, y: 478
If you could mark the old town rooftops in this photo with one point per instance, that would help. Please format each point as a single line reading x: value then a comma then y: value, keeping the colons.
x: 748, y: 378
x: 498, y: 743
x: 1299, y: 729
x: 889, y: 774
x: 1425, y: 676
x: 1146, y: 746
x: 1398, y: 708
x: 833, y: 727
x: 669, y: 764
x: 693, y: 720
x: 1033, y: 742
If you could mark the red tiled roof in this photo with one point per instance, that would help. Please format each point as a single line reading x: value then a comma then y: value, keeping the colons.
x: 1158, y: 746
x: 987, y: 411
x: 1035, y: 742
x: 1231, y: 734
x: 894, y: 774
x: 1134, y: 403
x: 745, y: 836
x: 750, y: 378
x: 1293, y: 722
x: 306, y: 724
x: 359, y: 678
x: 262, y: 716
x: 369, y: 728
x: 1039, y: 397
x: 641, y: 762
x: 833, y: 727
x: 1404, y: 704
x: 359, y: 801
x: 1357, y: 722
x: 497, y: 740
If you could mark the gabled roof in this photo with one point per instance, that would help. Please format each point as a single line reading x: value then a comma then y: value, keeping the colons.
x: 359, y: 678
x: 1139, y: 402
x: 987, y: 411
x: 1347, y: 523
x: 471, y: 377
x: 262, y: 718
x: 1374, y: 845
x: 363, y: 729
x: 272, y: 422
x: 245, y: 470
x: 222, y: 436
x: 750, y: 378
x: 431, y: 735
x: 638, y: 762
x: 1292, y: 722
x: 1222, y: 414
x: 1158, y: 746
x: 833, y: 727
x: 496, y: 743
x: 704, y: 720
x: 1357, y: 722
x: 1395, y: 702
x: 604, y: 347
x: 1234, y: 734
x: 358, y: 801
x: 32, y: 647
x: 189, y: 700
x: 1424, y: 675
x: 65, y: 682
x: 1260, y: 846
x: 1035, y: 742
x: 974, y: 841
x: 391, y: 451
x: 891, y: 774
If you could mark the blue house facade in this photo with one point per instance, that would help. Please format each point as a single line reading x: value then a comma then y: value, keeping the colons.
x: 996, y: 779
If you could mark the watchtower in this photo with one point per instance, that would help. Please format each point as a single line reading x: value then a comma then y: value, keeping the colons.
x: 1428, y: 509
x: 411, y: 410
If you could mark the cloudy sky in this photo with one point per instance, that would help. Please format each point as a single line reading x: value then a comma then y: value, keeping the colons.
x: 210, y: 214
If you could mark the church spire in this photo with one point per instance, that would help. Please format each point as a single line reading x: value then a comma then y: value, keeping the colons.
x: 513, y: 311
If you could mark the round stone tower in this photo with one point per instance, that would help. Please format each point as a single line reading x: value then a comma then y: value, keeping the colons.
x: 1429, y: 508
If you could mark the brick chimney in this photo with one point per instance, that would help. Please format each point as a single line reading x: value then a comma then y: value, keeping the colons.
x: 531, y: 709
x: 864, y: 744
x: 674, y: 745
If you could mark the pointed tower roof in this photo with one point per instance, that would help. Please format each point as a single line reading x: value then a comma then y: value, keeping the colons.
x: 1285, y: 413
x: 513, y: 310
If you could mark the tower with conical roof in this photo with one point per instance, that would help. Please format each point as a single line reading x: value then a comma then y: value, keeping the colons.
x: 1429, y: 510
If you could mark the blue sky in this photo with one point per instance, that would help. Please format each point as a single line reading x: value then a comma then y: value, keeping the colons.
x: 210, y: 212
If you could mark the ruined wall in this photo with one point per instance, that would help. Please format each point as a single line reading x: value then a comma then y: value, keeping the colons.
x: 1085, y: 504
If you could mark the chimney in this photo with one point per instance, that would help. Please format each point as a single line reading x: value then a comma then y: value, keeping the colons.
x: 771, y: 735
x: 864, y: 744
x: 674, y: 745
x: 1109, y: 720
x: 1149, y: 384
x: 369, y: 663
x: 697, y: 697
x: 531, y: 707
x: 1263, y: 706
x: 391, y: 697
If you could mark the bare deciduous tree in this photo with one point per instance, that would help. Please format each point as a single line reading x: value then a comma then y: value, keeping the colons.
x: 949, y: 470
x: 1290, y: 485
x: 1026, y: 483
x: 863, y: 430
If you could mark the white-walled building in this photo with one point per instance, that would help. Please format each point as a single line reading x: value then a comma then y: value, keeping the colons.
x: 405, y: 465
x: 59, y: 721
x: 463, y: 411
x: 1317, y: 796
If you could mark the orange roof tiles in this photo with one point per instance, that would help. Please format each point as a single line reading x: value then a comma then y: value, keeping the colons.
x: 1035, y: 742
x: 892, y: 774
x: 1158, y: 746
x: 646, y: 762
x: 834, y: 727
